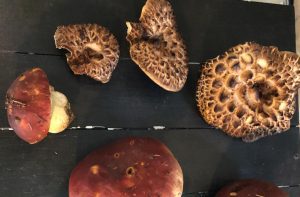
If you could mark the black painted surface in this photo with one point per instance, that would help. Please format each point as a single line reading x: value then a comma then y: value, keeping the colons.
x: 208, y: 157
x: 129, y: 100
x: 208, y: 27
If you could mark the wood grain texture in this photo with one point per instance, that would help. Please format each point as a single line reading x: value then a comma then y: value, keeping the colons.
x: 208, y: 159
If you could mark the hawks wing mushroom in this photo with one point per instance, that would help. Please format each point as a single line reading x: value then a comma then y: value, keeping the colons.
x: 134, y: 166
x: 249, y: 92
x: 94, y: 51
x: 157, y: 47
x: 251, y: 188
x: 34, y: 108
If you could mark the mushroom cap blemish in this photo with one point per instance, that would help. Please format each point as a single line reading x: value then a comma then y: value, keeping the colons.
x: 34, y: 108
x: 28, y: 105
x: 134, y: 166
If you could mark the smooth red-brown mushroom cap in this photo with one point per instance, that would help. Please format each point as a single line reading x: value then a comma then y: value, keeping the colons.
x: 251, y: 188
x: 128, y: 167
x: 28, y: 105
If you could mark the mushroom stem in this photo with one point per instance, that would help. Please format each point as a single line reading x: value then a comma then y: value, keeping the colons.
x: 61, y: 114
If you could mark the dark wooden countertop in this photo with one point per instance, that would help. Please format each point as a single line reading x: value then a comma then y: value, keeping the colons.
x: 132, y: 102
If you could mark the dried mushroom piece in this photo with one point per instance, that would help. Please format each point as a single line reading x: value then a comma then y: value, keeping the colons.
x: 133, y: 166
x: 94, y: 51
x: 249, y: 92
x: 157, y: 47
x: 34, y: 108
x: 251, y: 188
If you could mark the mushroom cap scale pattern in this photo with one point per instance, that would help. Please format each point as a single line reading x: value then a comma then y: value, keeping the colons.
x: 157, y: 47
x: 93, y: 50
x: 249, y: 91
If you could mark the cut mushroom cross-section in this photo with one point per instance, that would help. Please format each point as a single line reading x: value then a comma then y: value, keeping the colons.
x: 157, y: 47
x: 133, y: 166
x: 34, y: 108
x: 249, y: 92
x: 94, y: 51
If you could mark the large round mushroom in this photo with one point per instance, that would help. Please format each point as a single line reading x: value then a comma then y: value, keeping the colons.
x: 157, y: 47
x: 251, y: 188
x: 134, y: 166
x: 34, y: 108
x: 94, y: 50
x: 249, y: 91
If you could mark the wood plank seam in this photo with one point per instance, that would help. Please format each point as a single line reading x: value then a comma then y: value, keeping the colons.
x: 153, y: 128
x: 62, y: 55
x: 88, y: 128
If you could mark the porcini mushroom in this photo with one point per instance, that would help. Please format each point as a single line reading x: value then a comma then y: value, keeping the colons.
x: 249, y: 92
x: 34, y: 108
x: 251, y: 188
x: 94, y: 51
x: 157, y: 47
x: 133, y: 166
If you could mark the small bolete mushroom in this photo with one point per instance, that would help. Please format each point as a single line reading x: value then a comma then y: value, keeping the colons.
x: 94, y: 51
x: 157, y: 47
x: 134, y: 166
x: 251, y: 188
x: 34, y: 108
x: 249, y: 92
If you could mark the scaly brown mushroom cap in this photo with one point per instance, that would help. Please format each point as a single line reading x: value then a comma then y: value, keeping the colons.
x: 157, y: 47
x: 94, y: 51
x: 128, y: 167
x: 249, y: 92
x: 251, y: 188
x: 34, y: 108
